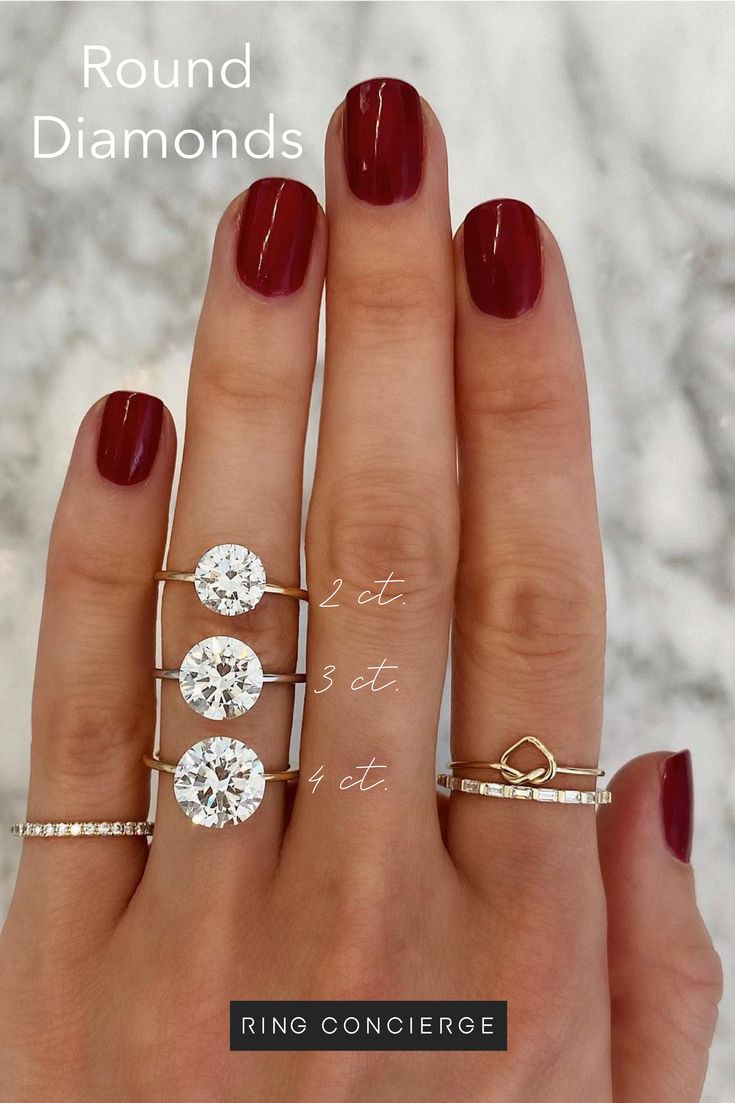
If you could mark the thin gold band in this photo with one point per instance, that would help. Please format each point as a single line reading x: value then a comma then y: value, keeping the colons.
x: 153, y: 762
x: 538, y: 775
x: 269, y: 588
x: 591, y: 771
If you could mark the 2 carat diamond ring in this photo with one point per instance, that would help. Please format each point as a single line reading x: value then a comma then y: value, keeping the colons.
x: 221, y: 677
x: 230, y: 579
x: 219, y: 781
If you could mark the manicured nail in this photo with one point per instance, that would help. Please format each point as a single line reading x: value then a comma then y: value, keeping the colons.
x: 383, y: 140
x: 276, y: 232
x: 129, y: 436
x: 677, y: 804
x: 502, y: 257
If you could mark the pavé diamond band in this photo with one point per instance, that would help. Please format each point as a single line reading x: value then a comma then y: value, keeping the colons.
x: 230, y: 579
x: 78, y: 829
x: 219, y: 781
x: 222, y: 677
x: 523, y: 792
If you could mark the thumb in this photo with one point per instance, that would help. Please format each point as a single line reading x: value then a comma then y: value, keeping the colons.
x: 665, y: 977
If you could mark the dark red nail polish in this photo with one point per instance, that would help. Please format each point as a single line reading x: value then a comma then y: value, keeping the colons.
x: 276, y: 231
x: 129, y: 436
x: 502, y: 257
x: 677, y: 804
x: 383, y: 140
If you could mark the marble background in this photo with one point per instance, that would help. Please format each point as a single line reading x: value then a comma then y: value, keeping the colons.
x: 615, y: 121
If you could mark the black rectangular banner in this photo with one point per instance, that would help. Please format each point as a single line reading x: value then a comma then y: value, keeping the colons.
x: 368, y: 1025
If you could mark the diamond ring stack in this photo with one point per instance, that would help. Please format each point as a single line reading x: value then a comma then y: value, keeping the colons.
x: 524, y: 784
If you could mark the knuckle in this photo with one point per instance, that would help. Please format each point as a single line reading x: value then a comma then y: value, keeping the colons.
x: 271, y: 627
x: 366, y: 939
x: 95, y: 568
x: 692, y: 977
x: 536, y: 613
x: 243, y: 385
x: 551, y: 402
x: 363, y: 531
x: 88, y: 741
x: 232, y: 389
x: 389, y: 303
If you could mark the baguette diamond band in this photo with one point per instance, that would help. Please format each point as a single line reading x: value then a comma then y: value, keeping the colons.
x: 523, y: 792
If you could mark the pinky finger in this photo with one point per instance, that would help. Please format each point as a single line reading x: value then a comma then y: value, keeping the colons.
x: 665, y: 976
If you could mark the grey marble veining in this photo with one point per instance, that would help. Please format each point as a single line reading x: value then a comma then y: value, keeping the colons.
x: 615, y: 121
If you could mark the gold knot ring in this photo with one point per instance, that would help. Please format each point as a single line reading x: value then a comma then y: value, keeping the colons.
x: 535, y: 776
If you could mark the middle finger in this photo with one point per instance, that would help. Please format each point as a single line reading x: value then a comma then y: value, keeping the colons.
x: 384, y: 501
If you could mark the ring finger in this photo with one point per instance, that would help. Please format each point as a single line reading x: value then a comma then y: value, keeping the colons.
x: 529, y: 624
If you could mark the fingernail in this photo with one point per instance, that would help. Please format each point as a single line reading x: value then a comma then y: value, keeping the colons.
x: 502, y: 257
x: 677, y: 803
x: 276, y: 232
x: 383, y: 140
x: 129, y: 436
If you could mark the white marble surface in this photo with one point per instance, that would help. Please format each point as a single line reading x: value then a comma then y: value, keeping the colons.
x: 615, y: 121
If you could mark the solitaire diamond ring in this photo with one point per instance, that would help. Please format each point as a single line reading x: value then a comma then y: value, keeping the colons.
x: 221, y: 677
x: 230, y: 579
x: 219, y: 781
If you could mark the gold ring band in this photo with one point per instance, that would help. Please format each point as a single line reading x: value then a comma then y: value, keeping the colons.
x: 153, y: 762
x: 536, y: 776
x: 269, y: 588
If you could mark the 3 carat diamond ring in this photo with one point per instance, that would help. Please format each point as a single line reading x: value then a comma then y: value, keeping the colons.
x: 230, y: 579
x: 221, y: 677
x: 219, y: 781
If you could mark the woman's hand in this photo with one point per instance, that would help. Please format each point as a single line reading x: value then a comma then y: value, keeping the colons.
x: 118, y: 963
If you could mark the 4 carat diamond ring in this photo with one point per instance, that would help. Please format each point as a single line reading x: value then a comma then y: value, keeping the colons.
x: 219, y: 781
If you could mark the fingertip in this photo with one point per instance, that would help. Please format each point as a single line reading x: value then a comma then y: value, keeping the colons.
x: 385, y: 147
x: 270, y: 240
x: 645, y: 833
